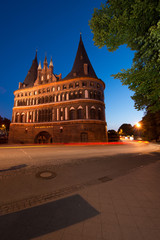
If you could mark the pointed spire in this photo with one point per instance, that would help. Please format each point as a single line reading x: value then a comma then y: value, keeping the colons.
x: 51, y: 63
x: 39, y: 66
x: 32, y: 73
x: 82, y: 66
x: 36, y: 55
x: 45, y: 60
x: 80, y: 36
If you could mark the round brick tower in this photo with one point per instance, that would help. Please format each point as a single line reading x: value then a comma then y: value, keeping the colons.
x: 49, y: 109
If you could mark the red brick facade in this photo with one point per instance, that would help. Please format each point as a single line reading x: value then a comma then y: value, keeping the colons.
x: 48, y: 108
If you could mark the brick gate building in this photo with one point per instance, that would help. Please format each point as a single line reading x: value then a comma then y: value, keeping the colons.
x: 50, y: 109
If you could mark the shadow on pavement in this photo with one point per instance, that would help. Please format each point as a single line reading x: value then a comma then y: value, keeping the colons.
x: 47, y: 218
x: 13, y: 168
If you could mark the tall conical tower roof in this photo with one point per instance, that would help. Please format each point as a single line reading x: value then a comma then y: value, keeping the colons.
x: 32, y: 73
x: 82, y: 66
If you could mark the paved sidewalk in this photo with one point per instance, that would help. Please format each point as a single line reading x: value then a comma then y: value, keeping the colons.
x: 127, y: 208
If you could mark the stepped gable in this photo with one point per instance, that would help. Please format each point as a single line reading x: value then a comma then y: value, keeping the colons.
x: 32, y: 74
x: 82, y: 66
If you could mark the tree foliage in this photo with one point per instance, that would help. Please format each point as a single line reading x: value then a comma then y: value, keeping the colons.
x: 151, y: 126
x: 125, y: 129
x: 137, y: 24
x: 5, y: 121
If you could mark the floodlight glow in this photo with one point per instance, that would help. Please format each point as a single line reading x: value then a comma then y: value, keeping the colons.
x: 138, y: 125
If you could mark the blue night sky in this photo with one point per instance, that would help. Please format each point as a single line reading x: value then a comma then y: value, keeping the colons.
x: 53, y: 27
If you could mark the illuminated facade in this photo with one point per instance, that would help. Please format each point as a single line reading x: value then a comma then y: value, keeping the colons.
x: 50, y: 109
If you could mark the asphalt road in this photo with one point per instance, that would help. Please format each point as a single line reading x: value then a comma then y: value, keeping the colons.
x: 27, y: 171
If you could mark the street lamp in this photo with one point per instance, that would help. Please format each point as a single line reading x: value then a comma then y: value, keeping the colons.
x: 138, y: 125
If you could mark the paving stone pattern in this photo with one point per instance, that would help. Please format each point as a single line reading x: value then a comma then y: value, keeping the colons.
x: 129, y: 208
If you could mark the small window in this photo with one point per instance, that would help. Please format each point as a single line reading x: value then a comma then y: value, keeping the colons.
x: 48, y: 76
x: 53, y: 89
x: 98, y: 85
x: 64, y: 87
x: 84, y: 84
x: 35, y: 92
x: 48, y: 89
x: 80, y: 113
x: 21, y: 94
x: 85, y: 68
x: 70, y: 85
x: 74, y: 74
x: 72, y: 114
x: 58, y: 88
x: 91, y: 95
x: 80, y: 94
x: 25, y: 93
x: 91, y: 84
x: 42, y: 78
x: 99, y: 114
x: 77, y: 84
x: 93, y: 113
x: 30, y: 94
x: 39, y: 91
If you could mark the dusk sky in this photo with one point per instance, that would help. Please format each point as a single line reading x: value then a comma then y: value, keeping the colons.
x: 53, y: 28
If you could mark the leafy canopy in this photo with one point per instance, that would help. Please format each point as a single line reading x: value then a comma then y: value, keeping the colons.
x: 137, y: 24
x: 125, y: 129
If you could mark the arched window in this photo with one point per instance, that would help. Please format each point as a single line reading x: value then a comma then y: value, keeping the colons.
x: 71, y: 85
x: 22, y: 118
x: 80, y: 94
x: 99, y: 96
x: 84, y: 84
x: 17, y: 117
x: 99, y: 114
x: 77, y: 84
x: 98, y: 85
x: 49, y: 115
x: 80, y: 113
x: 40, y: 116
x: 95, y: 95
x: 91, y: 84
x: 42, y: 112
x: 71, y: 95
x: 72, y: 114
x: 45, y: 115
x: 50, y: 99
x: 42, y: 100
x: 46, y: 99
x: 93, y: 113
x: 91, y: 94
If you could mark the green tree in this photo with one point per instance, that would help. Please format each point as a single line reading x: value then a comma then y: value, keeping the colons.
x: 151, y: 126
x: 137, y: 24
x: 6, y: 122
x: 125, y: 129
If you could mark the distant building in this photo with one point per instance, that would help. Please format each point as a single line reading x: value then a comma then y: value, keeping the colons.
x: 50, y: 109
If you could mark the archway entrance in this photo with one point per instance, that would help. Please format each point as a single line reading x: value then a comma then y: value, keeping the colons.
x: 43, y: 137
